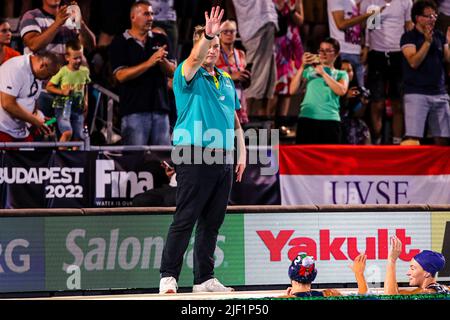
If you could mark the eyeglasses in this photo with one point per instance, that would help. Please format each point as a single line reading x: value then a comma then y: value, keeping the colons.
x: 325, y: 51
x: 33, y: 89
x: 5, y: 30
x: 229, y: 31
x: 430, y: 16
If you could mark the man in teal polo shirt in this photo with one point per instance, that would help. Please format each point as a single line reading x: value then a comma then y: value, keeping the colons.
x: 204, y: 141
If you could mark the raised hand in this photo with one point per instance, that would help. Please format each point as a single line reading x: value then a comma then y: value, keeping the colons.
x: 212, y: 21
x: 308, y: 58
x: 359, y: 264
x: 62, y: 15
x: 395, y: 249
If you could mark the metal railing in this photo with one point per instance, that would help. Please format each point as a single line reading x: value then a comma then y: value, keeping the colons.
x: 98, y: 115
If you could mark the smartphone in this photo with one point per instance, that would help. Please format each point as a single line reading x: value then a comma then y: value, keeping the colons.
x: 316, y: 60
x: 167, y: 165
x: 248, y: 67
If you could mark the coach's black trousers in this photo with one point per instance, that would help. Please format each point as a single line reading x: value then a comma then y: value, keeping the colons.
x: 202, y: 196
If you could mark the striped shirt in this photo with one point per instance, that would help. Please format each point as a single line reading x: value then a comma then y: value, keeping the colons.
x: 38, y: 20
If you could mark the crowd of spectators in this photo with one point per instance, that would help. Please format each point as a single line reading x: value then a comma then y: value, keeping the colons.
x: 379, y: 76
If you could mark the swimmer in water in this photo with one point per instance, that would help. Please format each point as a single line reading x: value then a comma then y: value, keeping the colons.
x: 422, y: 271
x: 303, y: 271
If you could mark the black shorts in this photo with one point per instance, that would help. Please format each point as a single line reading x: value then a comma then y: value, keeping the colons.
x: 311, y: 131
x: 385, y: 75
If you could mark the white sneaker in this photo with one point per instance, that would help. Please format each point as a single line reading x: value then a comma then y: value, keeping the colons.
x: 211, y: 285
x: 168, y: 285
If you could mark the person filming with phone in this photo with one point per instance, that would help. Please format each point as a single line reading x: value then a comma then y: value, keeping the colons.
x: 319, y: 119
x: 49, y: 28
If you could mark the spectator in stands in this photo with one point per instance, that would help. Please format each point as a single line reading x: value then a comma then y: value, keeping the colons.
x: 258, y: 23
x: 70, y: 87
x: 288, y: 51
x: 233, y: 61
x: 345, y: 19
x: 20, y: 85
x: 319, y: 119
x: 353, y: 107
x: 303, y: 271
x: 422, y: 271
x: 44, y: 28
x: 140, y: 64
x: 6, y: 52
x: 426, y: 100
x: 384, y: 59
x: 206, y: 99
x: 166, y: 18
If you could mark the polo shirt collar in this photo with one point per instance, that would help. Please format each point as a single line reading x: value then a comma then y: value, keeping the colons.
x: 127, y: 35
x: 217, y: 70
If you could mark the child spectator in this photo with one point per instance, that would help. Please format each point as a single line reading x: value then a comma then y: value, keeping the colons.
x: 69, y: 84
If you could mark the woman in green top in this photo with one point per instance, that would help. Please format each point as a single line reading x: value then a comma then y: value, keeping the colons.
x: 319, y: 120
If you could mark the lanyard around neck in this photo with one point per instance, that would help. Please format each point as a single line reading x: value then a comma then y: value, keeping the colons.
x: 227, y: 62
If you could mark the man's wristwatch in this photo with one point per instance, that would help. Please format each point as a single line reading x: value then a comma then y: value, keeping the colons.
x: 207, y: 37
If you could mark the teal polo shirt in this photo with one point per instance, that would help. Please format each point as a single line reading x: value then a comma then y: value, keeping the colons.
x: 205, y: 109
x: 320, y: 102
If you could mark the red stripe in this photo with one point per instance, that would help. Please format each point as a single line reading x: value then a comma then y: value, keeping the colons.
x: 364, y: 160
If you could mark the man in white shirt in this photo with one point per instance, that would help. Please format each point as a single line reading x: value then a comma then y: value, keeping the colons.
x: 345, y: 22
x: 20, y: 85
x: 384, y: 60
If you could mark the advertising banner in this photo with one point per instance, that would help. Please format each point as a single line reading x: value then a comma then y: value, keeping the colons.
x: 121, y: 176
x: 91, y: 179
x: 22, y: 254
x: 125, y: 252
x: 334, y: 239
x: 45, y: 179
x: 24, y: 176
x: 364, y: 175
x: 440, y: 237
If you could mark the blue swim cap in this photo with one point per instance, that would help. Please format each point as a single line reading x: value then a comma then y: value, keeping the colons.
x: 303, y: 269
x: 430, y: 261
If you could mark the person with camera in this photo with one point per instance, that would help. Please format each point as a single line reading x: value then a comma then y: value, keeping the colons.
x: 233, y: 61
x: 319, y: 120
x: 46, y: 28
x: 353, y: 108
